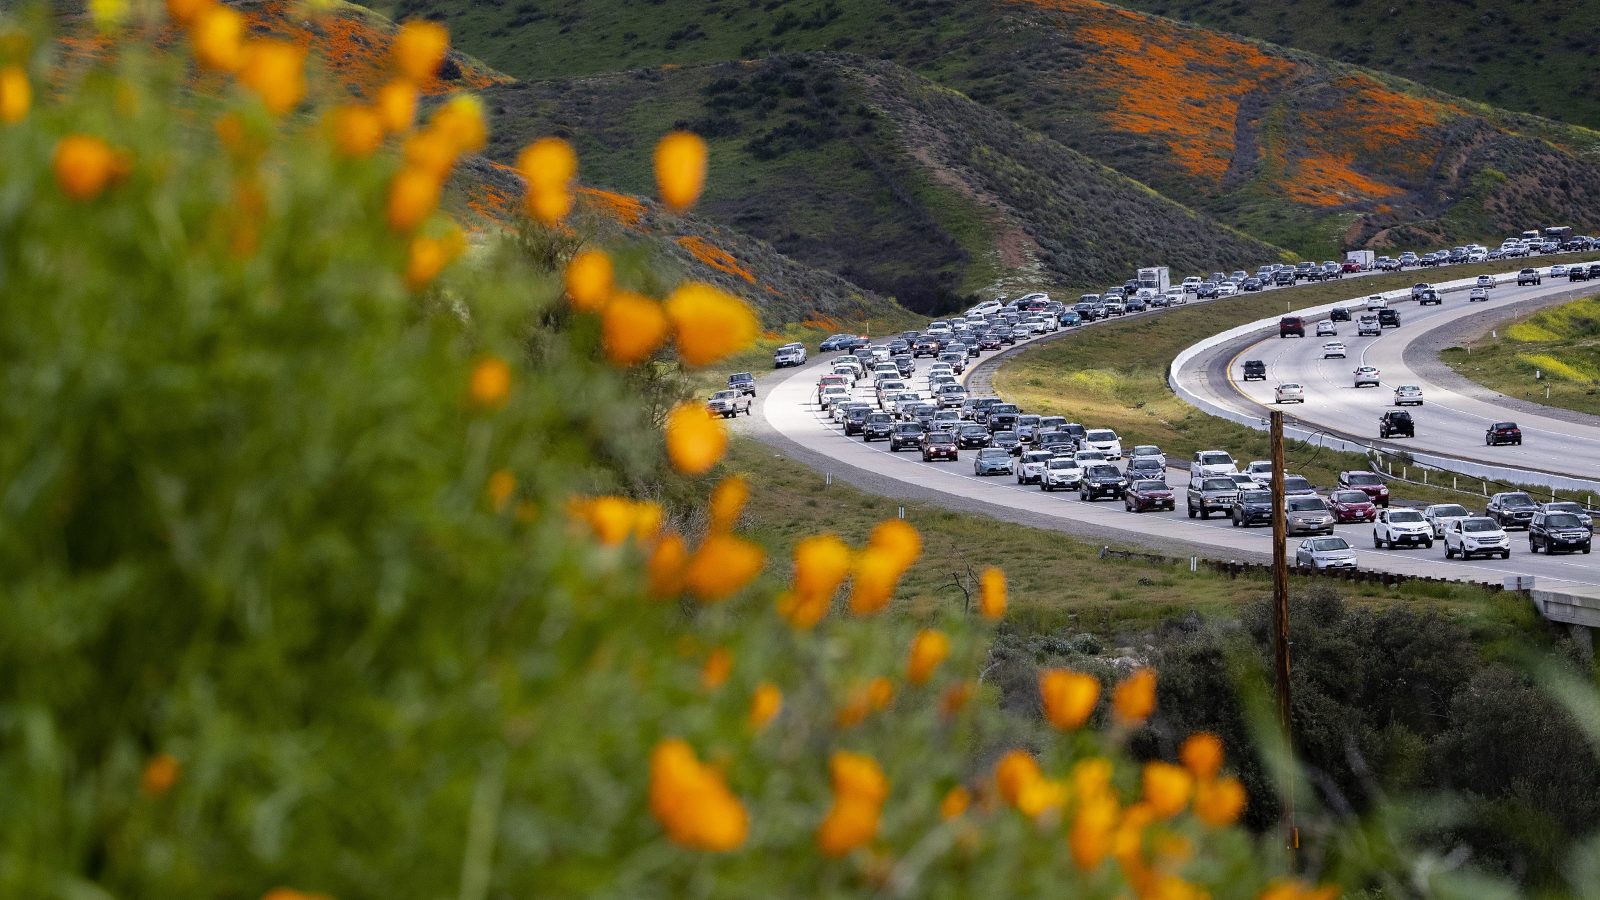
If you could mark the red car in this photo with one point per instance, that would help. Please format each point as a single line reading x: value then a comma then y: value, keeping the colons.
x: 1350, y: 266
x: 939, y: 445
x: 1352, y: 506
x: 1149, y: 494
x: 1367, y: 482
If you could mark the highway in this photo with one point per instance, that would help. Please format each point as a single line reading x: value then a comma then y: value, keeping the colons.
x: 791, y: 422
x: 1449, y: 423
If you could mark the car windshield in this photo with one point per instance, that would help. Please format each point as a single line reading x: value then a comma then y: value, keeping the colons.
x: 1150, y: 486
x: 1256, y: 497
x: 1306, y: 504
x: 1091, y: 456
x: 973, y: 429
x: 879, y: 417
x: 1563, y: 520
x: 1504, y: 426
x: 1516, y: 500
x: 1005, y: 435
x: 1563, y: 506
x: 1329, y: 543
x: 908, y: 428
x: 1101, y: 434
x: 1062, y: 462
x: 1349, y: 497
x: 724, y: 395
x: 1038, y: 456
x: 1215, y: 459
x: 1296, y: 483
x: 1146, y: 450
x: 1358, y: 478
x: 1218, y: 484
x: 1448, y: 511
x: 942, y: 438
x: 1479, y: 525
x: 1289, y: 387
x: 1028, y: 420
x: 1103, y: 471
x: 1406, y: 516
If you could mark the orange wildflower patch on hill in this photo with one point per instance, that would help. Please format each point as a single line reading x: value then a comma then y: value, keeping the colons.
x: 627, y: 211
x: 1164, y: 83
x: 1384, y: 131
x: 715, y: 257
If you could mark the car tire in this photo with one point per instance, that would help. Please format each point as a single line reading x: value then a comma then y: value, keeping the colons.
x: 1235, y: 521
x: 1532, y: 547
x: 1427, y: 545
x: 1506, y: 553
x: 1205, y: 512
x: 1191, y: 511
x: 1377, y: 542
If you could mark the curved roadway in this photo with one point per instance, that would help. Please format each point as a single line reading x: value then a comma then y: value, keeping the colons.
x: 1451, y: 421
x: 789, y: 420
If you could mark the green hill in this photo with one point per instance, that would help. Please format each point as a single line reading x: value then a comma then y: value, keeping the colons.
x: 863, y: 168
x: 1294, y: 149
x: 1532, y: 57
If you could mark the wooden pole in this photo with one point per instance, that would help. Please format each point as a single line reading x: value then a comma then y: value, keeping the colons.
x: 1280, y: 615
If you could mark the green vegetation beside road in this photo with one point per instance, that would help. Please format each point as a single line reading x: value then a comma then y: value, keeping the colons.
x: 1058, y: 581
x: 1556, y: 349
x: 1114, y: 375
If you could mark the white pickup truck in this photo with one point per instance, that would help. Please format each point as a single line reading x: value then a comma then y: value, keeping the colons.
x: 728, y: 404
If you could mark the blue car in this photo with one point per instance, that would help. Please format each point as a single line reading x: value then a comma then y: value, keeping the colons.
x: 1070, y: 319
x: 842, y: 342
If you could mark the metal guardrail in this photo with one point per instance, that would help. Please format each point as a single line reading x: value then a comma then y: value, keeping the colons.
x: 1234, y: 568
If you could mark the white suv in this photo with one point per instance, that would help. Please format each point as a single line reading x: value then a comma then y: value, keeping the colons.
x: 1104, y: 440
x: 1395, y: 527
x: 1061, y: 472
x: 1260, y: 471
x: 1211, y: 462
x: 1029, y: 467
x: 1474, y: 536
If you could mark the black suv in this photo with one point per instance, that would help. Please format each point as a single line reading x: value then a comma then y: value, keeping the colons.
x: 743, y: 382
x: 1339, y: 314
x: 1388, y: 318
x: 1251, y: 507
x: 1283, y: 277
x: 855, y: 420
x: 1512, y: 509
x: 906, y: 436
x: 1100, y: 480
x: 1552, y: 531
x: 1255, y: 369
x: 879, y: 427
x: 1396, y: 423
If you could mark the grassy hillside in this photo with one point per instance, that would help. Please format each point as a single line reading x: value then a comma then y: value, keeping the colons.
x: 1557, y: 349
x: 864, y: 168
x: 1533, y: 57
x: 1297, y: 150
x: 351, y: 44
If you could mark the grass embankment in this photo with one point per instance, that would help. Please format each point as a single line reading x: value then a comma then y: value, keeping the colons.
x: 1562, y: 344
x: 1056, y: 581
x: 1115, y: 376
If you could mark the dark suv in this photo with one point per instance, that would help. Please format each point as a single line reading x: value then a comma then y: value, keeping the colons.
x: 1209, y: 495
x: 1255, y: 370
x: 1100, y: 480
x: 1250, y: 508
x: 1552, y: 531
x: 878, y: 427
x: 1396, y: 423
x: 855, y: 419
x: 1512, y: 509
x: 1291, y: 326
x: 1502, y: 433
x: 939, y: 445
x: 1388, y: 318
x: 906, y: 436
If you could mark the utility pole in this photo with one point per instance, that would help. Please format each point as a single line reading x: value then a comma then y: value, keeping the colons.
x: 1280, y: 616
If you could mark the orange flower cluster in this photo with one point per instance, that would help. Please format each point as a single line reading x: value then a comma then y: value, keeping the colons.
x: 16, y: 94
x: 1068, y: 697
x: 723, y: 563
x: 692, y: 801
x: 865, y: 699
x: 159, y: 775
x: 86, y: 165
x: 891, y: 550
x: 859, y: 789
x: 765, y: 705
x: 928, y: 650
